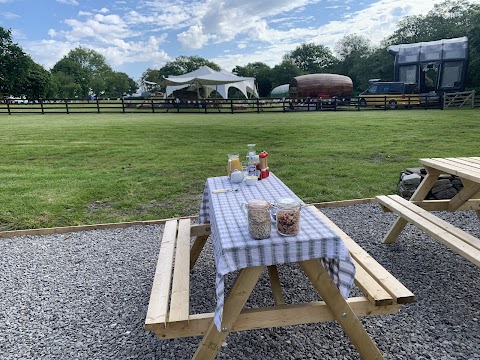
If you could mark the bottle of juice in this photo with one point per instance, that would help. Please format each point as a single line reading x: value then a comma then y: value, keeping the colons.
x: 233, y: 163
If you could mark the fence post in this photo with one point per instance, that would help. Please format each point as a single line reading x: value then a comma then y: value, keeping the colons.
x: 473, y: 99
x: 123, y: 105
x: 335, y: 104
x: 66, y: 106
x: 258, y: 106
x: 98, y: 106
x: 358, y: 103
x: 151, y: 101
x: 8, y: 107
x: 205, y: 103
x: 41, y: 105
x: 231, y: 105
x: 385, y: 103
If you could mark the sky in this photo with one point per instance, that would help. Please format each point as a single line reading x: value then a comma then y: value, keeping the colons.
x: 137, y: 35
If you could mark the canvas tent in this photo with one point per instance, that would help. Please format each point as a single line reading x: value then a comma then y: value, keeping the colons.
x: 211, y: 80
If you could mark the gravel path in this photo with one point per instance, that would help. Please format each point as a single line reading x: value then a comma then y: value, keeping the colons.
x: 84, y: 296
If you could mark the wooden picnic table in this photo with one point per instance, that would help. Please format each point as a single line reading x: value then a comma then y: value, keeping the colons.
x: 416, y: 211
x: 320, y: 245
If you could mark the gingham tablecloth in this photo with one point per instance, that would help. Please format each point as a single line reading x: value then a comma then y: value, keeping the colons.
x: 234, y: 249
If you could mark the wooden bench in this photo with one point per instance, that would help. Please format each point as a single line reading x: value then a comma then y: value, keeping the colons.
x: 456, y: 239
x: 168, y: 314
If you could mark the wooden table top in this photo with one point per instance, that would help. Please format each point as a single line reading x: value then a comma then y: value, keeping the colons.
x: 464, y: 167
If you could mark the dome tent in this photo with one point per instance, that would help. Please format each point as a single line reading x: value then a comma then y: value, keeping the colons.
x: 211, y: 80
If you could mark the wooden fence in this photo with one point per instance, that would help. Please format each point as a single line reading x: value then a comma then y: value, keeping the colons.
x: 74, y: 106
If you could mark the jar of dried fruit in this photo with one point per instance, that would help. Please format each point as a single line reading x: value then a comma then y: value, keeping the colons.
x: 286, y: 212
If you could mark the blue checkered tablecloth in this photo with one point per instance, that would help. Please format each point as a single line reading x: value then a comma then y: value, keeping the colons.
x: 234, y: 249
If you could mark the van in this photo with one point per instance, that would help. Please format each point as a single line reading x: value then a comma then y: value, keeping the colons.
x: 390, y: 94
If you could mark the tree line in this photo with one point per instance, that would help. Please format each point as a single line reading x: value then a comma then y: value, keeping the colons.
x: 83, y: 72
x: 80, y: 74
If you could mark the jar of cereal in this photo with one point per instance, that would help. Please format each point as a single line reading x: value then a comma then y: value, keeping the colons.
x: 258, y: 216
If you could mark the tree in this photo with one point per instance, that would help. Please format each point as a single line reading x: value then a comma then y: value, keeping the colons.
x: 448, y: 19
x: 312, y: 58
x: 354, y: 53
x: 38, y: 83
x: 13, y: 65
x: 284, y: 72
x: 119, y: 84
x: 89, y: 70
x: 76, y: 73
x: 261, y: 72
x: 66, y: 86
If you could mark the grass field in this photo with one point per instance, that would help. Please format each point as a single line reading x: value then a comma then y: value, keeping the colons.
x: 58, y: 170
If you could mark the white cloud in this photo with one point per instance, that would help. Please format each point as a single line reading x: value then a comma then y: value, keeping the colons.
x: 68, y: 2
x: 153, y: 31
x: 193, y: 38
x: 10, y: 16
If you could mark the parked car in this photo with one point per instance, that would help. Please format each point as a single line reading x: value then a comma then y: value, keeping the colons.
x: 390, y: 94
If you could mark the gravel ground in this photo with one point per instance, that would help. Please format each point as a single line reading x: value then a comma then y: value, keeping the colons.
x: 85, y: 295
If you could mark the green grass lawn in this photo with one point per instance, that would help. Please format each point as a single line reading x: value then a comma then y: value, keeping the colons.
x: 58, y: 170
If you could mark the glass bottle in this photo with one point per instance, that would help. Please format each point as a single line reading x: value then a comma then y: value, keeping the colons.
x: 233, y: 163
x: 251, y: 160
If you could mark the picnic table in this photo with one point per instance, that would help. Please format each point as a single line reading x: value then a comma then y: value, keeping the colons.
x: 330, y: 259
x: 416, y: 211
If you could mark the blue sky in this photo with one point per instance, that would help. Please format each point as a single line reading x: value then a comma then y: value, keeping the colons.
x: 136, y: 35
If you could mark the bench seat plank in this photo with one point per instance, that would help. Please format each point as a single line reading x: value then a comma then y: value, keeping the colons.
x: 180, y: 299
x: 399, y: 293
x: 456, y: 239
x: 158, y: 304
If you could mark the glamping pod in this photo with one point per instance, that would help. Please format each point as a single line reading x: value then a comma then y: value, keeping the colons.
x: 280, y: 91
x: 321, y: 86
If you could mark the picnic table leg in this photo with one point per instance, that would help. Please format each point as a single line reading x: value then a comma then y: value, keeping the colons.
x: 340, y: 309
x: 470, y: 189
x: 197, y: 248
x: 234, y: 302
x: 276, y: 286
x: 419, y: 194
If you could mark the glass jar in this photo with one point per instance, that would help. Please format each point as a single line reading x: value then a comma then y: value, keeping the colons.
x: 233, y: 163
x: 287, y: 216
x: 258, y: 217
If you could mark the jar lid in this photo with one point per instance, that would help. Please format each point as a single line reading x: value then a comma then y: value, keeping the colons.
x: 287, y: 202
x: 258, y: 204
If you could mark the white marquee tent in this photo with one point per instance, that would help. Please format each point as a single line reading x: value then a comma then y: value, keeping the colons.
x: 211, y: 80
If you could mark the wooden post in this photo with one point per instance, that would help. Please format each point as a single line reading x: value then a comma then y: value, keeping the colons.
x: 151, y: 101
x: 258, y: 106
x: 123, y: 105
x: 385, y: 103
x: 234, y: 302
x: 473, y: 99
x: 98, y: 105
x: 231, y: 105
x: 8, y: 107
x: 41, y: 105
x: 66, y: 106
x: 340, y: 309
x: 358, y: 104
